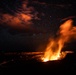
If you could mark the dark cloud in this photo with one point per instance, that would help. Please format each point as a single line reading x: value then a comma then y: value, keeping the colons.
x: 22, y: 18
x: 29, y: 23
x: 21, y: 42
x: 18, y: 21
x: 34, y: 14
x: 70, y: 17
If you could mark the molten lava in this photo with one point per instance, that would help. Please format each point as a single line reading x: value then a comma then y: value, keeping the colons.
x: 53, y: 50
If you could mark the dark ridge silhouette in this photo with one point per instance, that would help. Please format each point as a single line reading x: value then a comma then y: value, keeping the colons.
x: 21, y: 64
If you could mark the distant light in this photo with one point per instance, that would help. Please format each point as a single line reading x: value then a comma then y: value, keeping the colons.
x: 34, y: 34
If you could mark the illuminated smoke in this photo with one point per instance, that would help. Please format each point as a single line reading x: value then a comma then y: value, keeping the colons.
x: 21, y: 19
x: 67, y: 31
x: 53, y: 50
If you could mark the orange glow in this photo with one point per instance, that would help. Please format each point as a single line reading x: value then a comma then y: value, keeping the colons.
x: 53, y: 50
x: 19, y: 21
x: 26, y: 17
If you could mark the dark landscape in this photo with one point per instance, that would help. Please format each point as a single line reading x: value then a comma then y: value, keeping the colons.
x: 28, y: 28
x: 25, y: 64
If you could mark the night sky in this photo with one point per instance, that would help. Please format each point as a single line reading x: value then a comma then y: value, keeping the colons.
x: 26, y: 25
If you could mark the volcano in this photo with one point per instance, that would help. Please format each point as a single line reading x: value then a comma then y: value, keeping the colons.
x: 29, y: 62
x: 53, y: 60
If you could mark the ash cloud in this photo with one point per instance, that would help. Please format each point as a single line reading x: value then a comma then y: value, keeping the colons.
x: 36, y: 21
x: 22, y: 17
x: 18, y: 21
x: 33, y: 14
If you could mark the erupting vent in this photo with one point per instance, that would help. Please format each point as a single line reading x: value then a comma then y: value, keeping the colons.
x: 53, y: 50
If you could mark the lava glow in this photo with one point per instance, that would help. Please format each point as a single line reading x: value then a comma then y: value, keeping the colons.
x: 53, y: 50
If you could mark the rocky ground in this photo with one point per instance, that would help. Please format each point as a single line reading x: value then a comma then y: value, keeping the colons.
x: 24, y: 64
